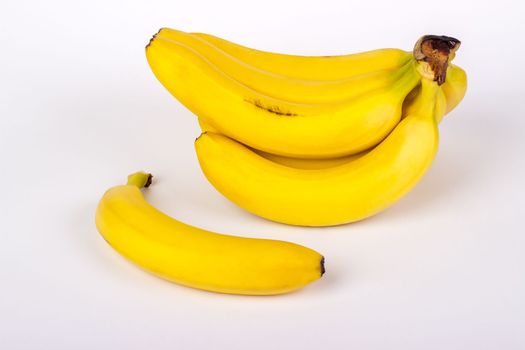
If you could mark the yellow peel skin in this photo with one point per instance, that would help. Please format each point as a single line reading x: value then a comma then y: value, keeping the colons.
x: 279, y: 86
x: 409, y: 107
x: 455, y: 86
x: 452, y: 91
x: 198, y: 258
x: 274, y: 125
x: 443, y: 106
x: 331, y: 196
x: 299, y: 163
x: 313, y: 67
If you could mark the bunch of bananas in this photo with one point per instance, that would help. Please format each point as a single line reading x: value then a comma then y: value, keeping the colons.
x: 310, y: 141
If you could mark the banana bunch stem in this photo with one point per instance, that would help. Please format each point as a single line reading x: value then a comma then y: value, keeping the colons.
x: 437, y: 51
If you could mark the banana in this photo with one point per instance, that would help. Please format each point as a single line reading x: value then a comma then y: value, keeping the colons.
x: 313, y: 67
x: 449, y: 95
x: 299, y: 163
x: 337, y: 67
x: 197, y: 258
x: 283, y: 87
x: 331, y: 196
x: 455, y: 86
x: 452, y: 91
x: 323, y: 163
x: 274, y: 125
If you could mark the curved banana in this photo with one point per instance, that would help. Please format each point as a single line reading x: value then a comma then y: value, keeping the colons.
x: 197, y: 258
x: 283, y: 87
x: 313, y: 67
x: 273, y: 125
x: 331, y: 196
x: 452, y: 91
x: 299, y: 163
x: 446, y: 101
x: 323, y: 163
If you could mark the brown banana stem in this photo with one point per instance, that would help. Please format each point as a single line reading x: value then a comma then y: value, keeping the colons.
x: 437, y: 51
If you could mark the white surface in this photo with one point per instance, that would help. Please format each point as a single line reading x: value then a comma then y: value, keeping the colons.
x: 80, y: 109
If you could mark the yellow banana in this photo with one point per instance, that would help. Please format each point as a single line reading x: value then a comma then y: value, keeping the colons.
x: 323, y: 163
x: 414, y: 103
x: 283, y: 87
x: 331, y: 196
x: 449, y: 95
x: 452, y: 91
x: 447, y: 100
x: 197, y: 258
x: 454, y: 87
x: 313, y: 67
x: 274, y: 125
x: 299, y: 163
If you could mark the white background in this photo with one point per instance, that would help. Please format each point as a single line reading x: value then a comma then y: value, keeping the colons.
x: 80, y: 109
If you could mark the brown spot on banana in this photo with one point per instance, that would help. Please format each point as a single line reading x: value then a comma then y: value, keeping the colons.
x: 272, y: 109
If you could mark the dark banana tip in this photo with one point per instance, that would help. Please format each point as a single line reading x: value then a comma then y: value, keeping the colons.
x: 148, y: 181
x: 198, y: 137
x: 153, y: 37
x: 323, y: 270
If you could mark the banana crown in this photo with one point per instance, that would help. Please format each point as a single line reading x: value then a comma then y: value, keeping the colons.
x: 437, y: 51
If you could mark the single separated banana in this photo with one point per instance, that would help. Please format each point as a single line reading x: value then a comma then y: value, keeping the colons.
x: 273, y: 125
x: 313, y: 67
x: 330, y: 196
x: 198, y: 258
x: 279, y: 86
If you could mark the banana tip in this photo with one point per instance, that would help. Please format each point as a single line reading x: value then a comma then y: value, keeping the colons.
x: 323, y: 270
x: 148, y: 181
x: 153, y: 37
x: 202, y: 134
